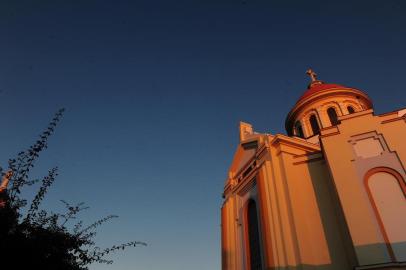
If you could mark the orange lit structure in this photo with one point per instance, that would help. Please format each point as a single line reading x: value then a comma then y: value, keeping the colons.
x: 329, y: 195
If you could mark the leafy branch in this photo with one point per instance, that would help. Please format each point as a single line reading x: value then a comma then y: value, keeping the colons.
x: 43, y: 237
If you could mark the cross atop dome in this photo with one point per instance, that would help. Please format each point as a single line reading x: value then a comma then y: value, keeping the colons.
x: 312, y: 74
x: 313, y: 77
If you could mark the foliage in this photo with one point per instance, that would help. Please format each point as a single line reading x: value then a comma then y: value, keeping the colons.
x: 31, y: 238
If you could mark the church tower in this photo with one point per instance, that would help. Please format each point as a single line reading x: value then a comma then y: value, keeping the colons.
x: 331, y: 194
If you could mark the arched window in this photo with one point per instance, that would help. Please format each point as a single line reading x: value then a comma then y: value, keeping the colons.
x: 350, y: 109
x: 332, y: 114
x: 314, y: 124
x: 299, y: 129
x: 254, y: 249
x: 387, y: 192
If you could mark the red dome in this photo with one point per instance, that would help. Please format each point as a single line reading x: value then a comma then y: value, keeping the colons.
x: 320, y: 87
x: 323, y: 91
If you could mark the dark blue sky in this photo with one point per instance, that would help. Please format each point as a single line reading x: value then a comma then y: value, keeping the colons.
x: 154, y: 91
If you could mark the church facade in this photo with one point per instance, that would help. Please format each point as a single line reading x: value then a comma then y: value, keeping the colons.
x: 331, y: 194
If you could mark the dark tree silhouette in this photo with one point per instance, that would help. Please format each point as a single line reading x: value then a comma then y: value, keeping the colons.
x: 31, y: 238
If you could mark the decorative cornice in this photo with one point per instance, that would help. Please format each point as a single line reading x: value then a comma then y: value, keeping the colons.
x: 394, y: 119
x: 307, y: 158
x: 281, y: 139
x: 329, y: 131
x: 355, y: 114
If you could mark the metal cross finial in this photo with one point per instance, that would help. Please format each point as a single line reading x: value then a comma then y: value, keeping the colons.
x: 312, y: 75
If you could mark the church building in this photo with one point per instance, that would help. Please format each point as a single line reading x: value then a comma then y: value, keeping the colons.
x: 331, y: 194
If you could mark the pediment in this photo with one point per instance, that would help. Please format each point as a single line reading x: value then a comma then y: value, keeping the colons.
x: 244, y: 152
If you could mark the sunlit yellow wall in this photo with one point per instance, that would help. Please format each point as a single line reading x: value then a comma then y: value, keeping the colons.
x: 350, y: 164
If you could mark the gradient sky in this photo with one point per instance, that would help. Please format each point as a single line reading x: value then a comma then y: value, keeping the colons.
x: 154, y: 91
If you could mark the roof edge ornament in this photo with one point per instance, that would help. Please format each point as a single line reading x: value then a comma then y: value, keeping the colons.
x: 246, y: 130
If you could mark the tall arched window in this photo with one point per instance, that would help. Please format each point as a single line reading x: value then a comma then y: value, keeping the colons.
x: 387, y: 192
x: 254, y: 249
x: 332, y: 114
x: 350, y: 109
x: 299, y: 129
x: 314, y: 124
